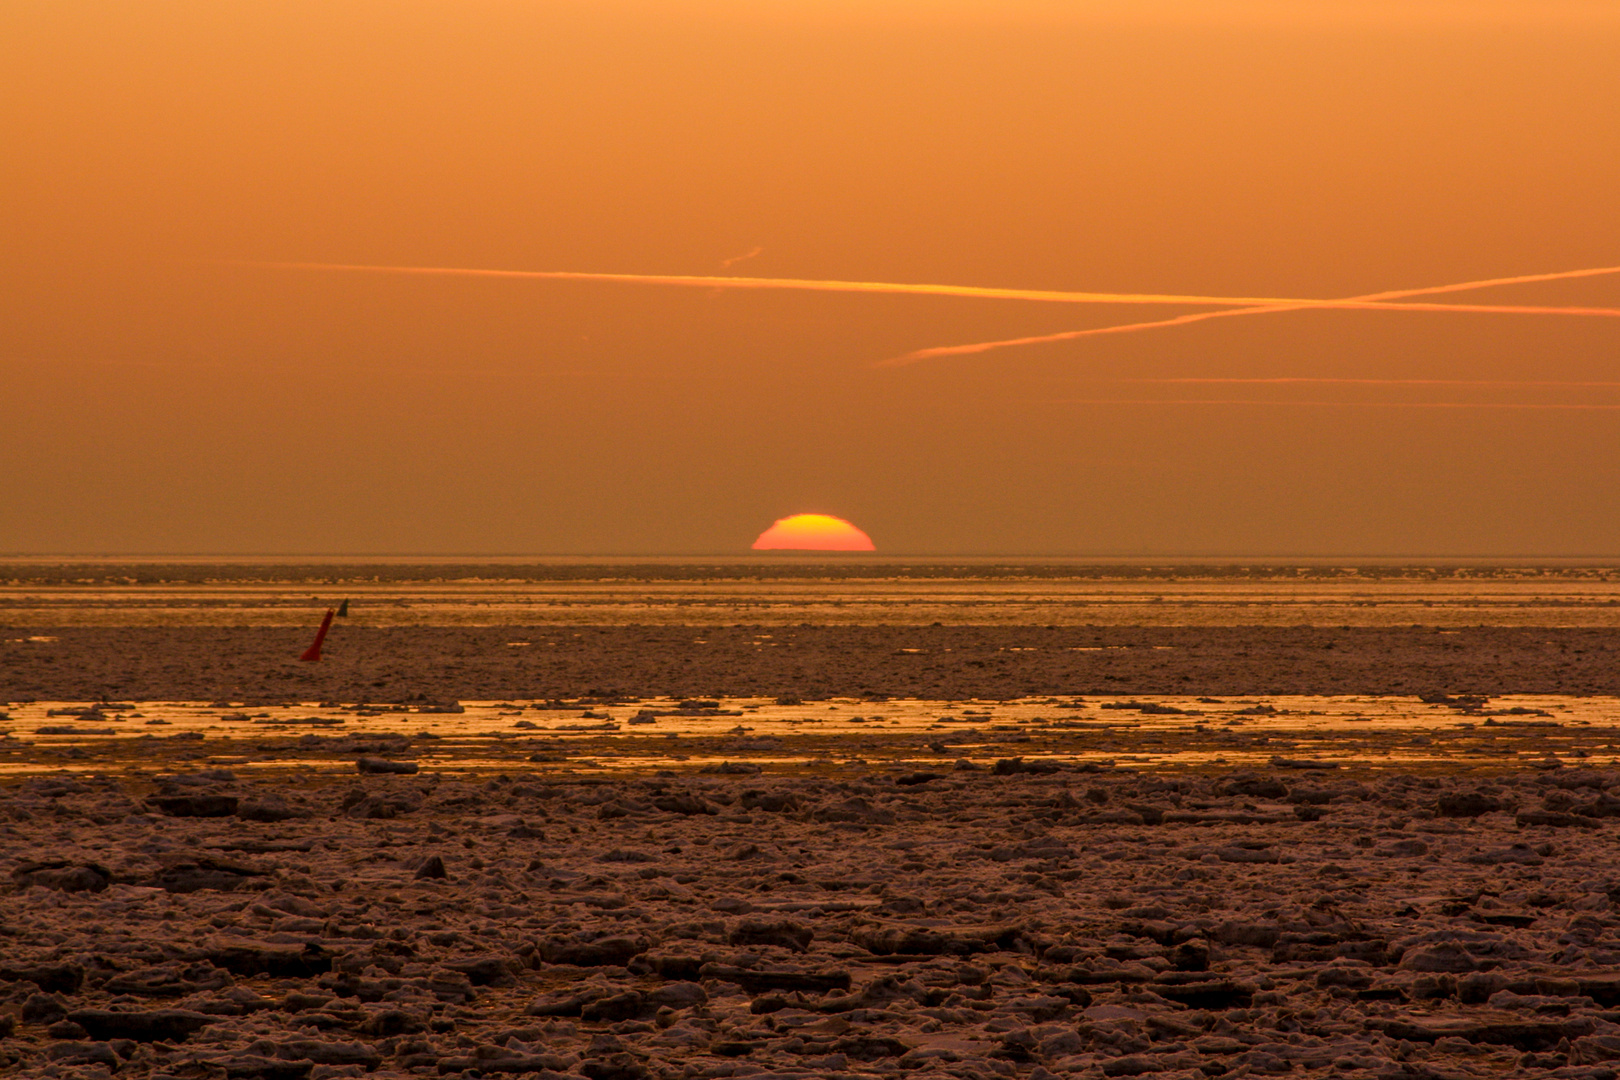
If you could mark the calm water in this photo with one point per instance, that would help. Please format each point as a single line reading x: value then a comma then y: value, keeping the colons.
x: 1140, y: 732
x: 787, y: 592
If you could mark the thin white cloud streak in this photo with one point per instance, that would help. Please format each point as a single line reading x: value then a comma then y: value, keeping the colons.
x: 1201, y: 316
x: 976, y: 292
x: 726, y: 264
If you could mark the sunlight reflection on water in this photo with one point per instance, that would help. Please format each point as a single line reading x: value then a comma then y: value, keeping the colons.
x: 1145, y: 731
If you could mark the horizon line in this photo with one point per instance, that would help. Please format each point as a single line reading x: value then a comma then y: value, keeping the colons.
x: 513, y: 558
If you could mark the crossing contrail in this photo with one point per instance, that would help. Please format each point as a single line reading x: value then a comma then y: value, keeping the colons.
x: 977, y: 292
x: 1201, y: 316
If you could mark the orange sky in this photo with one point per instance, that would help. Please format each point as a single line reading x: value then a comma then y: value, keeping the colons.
x: 159, y: 400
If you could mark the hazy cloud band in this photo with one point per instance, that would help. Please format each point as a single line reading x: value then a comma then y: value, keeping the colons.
x: 1286, y: 379
x: 1515, y: 405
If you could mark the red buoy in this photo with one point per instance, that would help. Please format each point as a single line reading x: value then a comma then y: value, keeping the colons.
x: 314, y: 651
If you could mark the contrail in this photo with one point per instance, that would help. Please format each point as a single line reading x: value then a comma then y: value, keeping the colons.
x: 977, y: 292
x: 1181, y: 320
x: 726, y: 264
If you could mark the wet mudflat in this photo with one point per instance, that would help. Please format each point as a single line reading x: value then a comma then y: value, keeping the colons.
x: 812, y: 629
x: 412, y: 663
x: 973, y: 897
x: 690, y: 824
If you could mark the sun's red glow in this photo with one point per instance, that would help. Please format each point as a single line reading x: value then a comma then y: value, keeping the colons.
x: 813, y: 532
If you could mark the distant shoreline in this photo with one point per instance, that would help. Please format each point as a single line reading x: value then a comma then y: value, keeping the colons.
x: 789, y: 558
x: 69, y: 571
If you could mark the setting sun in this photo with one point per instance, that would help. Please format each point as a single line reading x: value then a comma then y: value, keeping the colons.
x: 813, y: 532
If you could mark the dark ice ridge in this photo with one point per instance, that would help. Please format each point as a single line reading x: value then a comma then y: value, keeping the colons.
x: 966, y: 923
